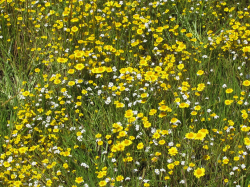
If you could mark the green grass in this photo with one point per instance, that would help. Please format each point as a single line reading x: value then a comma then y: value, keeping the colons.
x: 72, y: 78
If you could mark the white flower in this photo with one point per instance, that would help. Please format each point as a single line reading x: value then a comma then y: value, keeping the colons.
x: 33, y: 163
x: 146, y: 180
x: 137, y: 127
x: 162, y: 170
x: 215, y: 117
x: 224, y: 86
x: 84, y: 165
x: 235, y: 168
x: 182, y: 181
x: 170, y: 160
x: 170, y: 144
x: 157, y: 172
x: 189, y: 169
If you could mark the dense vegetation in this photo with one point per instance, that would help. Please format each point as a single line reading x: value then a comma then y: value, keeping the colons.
x: 124, y: 93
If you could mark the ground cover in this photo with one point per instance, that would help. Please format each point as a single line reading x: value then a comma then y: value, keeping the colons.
x: 124, y: 93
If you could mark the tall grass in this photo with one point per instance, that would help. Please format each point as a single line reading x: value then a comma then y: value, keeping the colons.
x: 124, y: 93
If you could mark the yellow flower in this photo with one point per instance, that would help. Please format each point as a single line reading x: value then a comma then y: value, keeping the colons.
x: 225, y: 161
x: 6, y: 164
x: 139, y: 31
x: 62, y: 60
x: 119, y: 178
x: 102, y: 183
x: 173, y: 120
x: 191, y: 164
x: 182, y: 105
x: 236, y: 158
x: 244, y: 115
x: 190, y: 135
x: 170, y: 166
x: 26, y: 93
x: 200, y: 136
x: 246, y: 83
x: 193, y: 113
x: 47, y: 4
x: 228, y: 102
x: 147, y: 124
x: 152, y: 112
x: 156, y: 135
x: 159, y: 40
x: 65, y: 165
x: 140, y: 146
x: 98, y: 135
x: 162, y: 142
x: 204, y: 131
x: 198, y: 107
x: 199, y: 172
x: 229, y: 90
x: 247, y: 141
x: 71, y: 71
x: 57, y: 81
x: 23, y: 149
x: 144, y: 95
x: 17, y: 183
x: 180, y: 66
x: 166, y: 177
x: 79, y: 66
x: 71, y: 83
x: 100, y: 142
x: 78, y: 54
x: 49, y: 183
x: 183, y: 30
x: 128, y: 114
x: 108, y: 137
x: 37, y: 70
x: 74, y: 29
x: 246, y: 49
x: 206, y: 157
x: 200, y: 72
x: 79, y: 180
x: 173, y: 151
x: 127, y: 142
x: 19, y: 127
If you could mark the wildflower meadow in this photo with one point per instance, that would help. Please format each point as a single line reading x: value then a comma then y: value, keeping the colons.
x: 124, y: 93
